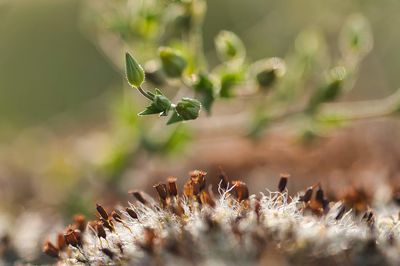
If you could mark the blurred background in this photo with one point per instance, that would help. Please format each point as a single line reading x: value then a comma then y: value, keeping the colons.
x: 70, y: 137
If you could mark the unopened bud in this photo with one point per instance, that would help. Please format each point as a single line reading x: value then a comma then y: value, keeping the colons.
x: 268, y: 71
x: 188, y: 108
x: 331, y: 89
x: 172, y: 61
x: 134, y: 71
x: 229, y: 46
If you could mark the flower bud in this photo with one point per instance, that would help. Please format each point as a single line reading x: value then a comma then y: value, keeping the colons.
x: 172, y: 61
x: 268, y: 71
x: 134, y: 71
x: 356, y: 37
x: 331, y: 89
x: 229, y: 46
x: 188, y: 108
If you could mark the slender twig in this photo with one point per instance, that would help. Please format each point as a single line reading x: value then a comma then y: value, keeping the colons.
x: 145, y: 94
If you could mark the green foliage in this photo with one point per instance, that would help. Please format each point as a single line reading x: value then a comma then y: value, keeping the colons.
x: 284, y: 88
x: 205, y: 87
x: 330, y: 90
x: 228, y: 81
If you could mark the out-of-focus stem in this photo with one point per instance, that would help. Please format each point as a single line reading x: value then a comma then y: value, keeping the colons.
x: 346, y: 111
x: 343, y: 111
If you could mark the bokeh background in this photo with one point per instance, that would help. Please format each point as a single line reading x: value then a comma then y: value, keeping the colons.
x: 69, y: 135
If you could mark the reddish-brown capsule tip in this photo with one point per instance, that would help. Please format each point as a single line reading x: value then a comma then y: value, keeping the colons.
x: 283, y: 182
x: 319, y: 195
x: 257, y: 209
x: 61, y: 242
x: 161, y: 190
x: 307, y: 195
x: 50, y: 250
x: 116, y: 216
x: 200, y: 178
x: 368, y: 217
x: 108, y: 252
x: 73, y: 238
x: 241, y: 190
x: 207, y: 198
x: 107, y: 224
x: 131, y: 213
x: 102, y: 211
x: 100, y: 230
x: 138, y: 196
x: 172, y: 188
x: 341, y: 212
x: 80, y: 222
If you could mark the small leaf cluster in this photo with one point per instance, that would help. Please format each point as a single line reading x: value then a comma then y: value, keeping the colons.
x: 185, y: 109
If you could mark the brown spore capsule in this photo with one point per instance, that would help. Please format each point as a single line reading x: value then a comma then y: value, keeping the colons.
x: 138, y: 196
x: 241, y: 190
x: 102, y: 211
x: 50, y: 250
x: 283, y: 182
x: 116, y: 216
x: 108, y: 253
x: 131, y: 213
x: 172, y: 188
x: 101, y: 233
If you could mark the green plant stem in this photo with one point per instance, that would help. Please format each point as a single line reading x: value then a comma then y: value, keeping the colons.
x: 145, y: 94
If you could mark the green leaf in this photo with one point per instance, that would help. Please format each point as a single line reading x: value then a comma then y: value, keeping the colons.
x: 228, y: 81
x: 160, y: 105
x: 175, y: 118
x: 205, y: 87
x: 134, y: 71
x: 172, y: 62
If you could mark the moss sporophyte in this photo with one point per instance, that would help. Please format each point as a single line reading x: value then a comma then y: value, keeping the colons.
x: 234, y: 227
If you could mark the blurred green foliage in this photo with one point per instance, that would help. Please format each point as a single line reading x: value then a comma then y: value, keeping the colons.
x: 63, y: 71
x: 47, y: 65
